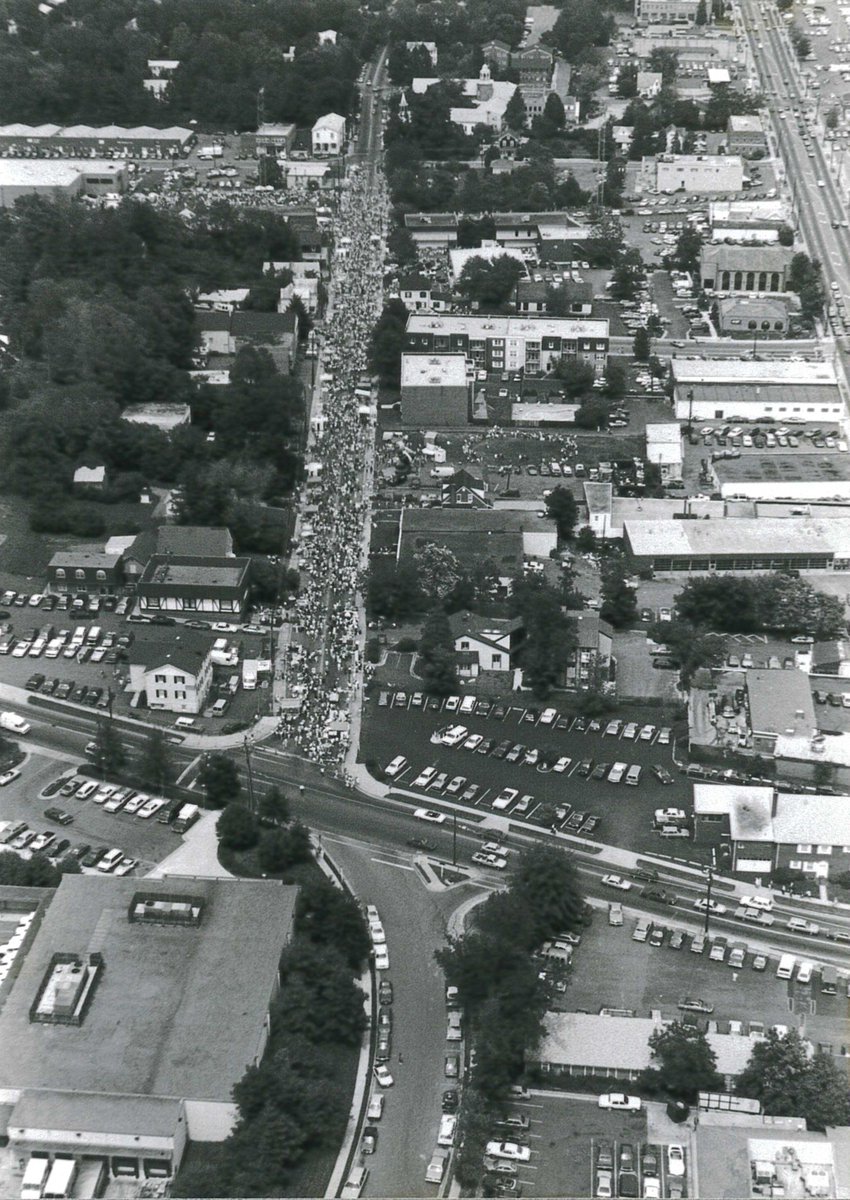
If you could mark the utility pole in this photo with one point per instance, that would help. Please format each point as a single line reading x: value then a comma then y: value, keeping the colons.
x: 690, y: 412
x: 454, y: 839
x: 247, y: 747
x: 709, y: 881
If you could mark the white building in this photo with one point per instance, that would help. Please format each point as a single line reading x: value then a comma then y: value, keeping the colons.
x: 328, y: 134
x: 664, y: 448
x: 721, y: 389
x: 175, y: 673
x: 693, y: 173
x: 488, y: 99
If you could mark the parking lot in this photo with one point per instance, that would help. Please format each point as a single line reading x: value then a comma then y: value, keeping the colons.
x: 564, y: 785
x: 82, y: 658
x: 24, y: 800
x: 573, y: 1141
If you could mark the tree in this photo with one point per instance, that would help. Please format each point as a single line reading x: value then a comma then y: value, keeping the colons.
x: 619, y: 600
x: 562, y: 508
x: 702, y: 13
x: 790, y: 1084
x: 274, y: 806
x: 109, y: 754
x: 237, y: 828
x: 515, y: 114
x: 666, y: 62
x: 549, y: 635
x: 546, y: 879
x: 401, y: 246
x: 553, y: 111
x: 686, y: 1063
x: 785, y: 235
x: 586, y: 540
x: 387, y: 342
x: 832, y: 119
x: 641, y: 346
x: 575, y: 375
x: 616, y: 379
x: 592, y: 414
x: 437, y: 656
x: 281, y: 849
x: 156, y: 761
x: 330, y: 917
x: 219, y: 778
x: 489, y: 282
x: 627, y: 81
x: 36, y: 871
x: 687, y: 252
x: 628, y: 275
x: 438, y: 570
x: 607, y: 238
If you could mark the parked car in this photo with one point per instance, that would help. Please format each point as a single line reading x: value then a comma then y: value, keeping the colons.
x: 619, y: 1101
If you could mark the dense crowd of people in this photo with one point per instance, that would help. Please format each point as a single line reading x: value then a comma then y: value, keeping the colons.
x: 333, y: 557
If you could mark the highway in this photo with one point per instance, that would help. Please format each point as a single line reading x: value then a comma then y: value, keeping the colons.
x: 814, y: 193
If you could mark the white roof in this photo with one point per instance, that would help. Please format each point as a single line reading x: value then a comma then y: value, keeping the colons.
x: 718, y: 75
x: 433, y: 370
x: 741, y: 535
x: 717, y: 370
x: 90, y: 474
x: 663, y: 453
x: 543, y: 414
x: 331, y: 121
x: 668, y: 433
x: 527, y: 328
x: 589, y: 1040
x: 163, y: 416
x: 37, y: 172
x: 818, y: 819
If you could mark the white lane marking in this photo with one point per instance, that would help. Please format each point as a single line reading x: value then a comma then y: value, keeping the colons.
x: 399, y: 866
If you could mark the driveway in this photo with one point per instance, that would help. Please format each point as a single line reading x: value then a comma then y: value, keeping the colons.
x: 196, y: 855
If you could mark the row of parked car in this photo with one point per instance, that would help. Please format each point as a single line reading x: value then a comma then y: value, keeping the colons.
x: 81, y: 644
x: 18, y: 836
x: 82, y: 604
x: 626, y: 1170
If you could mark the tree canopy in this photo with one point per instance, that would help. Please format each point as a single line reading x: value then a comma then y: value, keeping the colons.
x: 790, y: 1083
x: 489, y: 283
x: 683, y: 1063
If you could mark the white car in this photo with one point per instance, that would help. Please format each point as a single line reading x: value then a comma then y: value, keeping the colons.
x: 548, y: 716
x: 647, y: 733
x: 103, y: 793
x: 135, y: 803
x: 150, y: 807
x: 604, y: 1187
x: 382, y: 1075
x: 712, y: 905
x: 620, y: 1102
x: 126, y: 866
x: 562, y: 764
x: 616, y: 881
x: 428, y: 814
x: 664, y: 816
x: 376, y: 1107
x: 505, y: 799
x: 382, y: 959
x: 489, y: 860
x: 509, y: 1150
x: 664, y: 735
x: 473, y: 741
x: 675, y: 1159
x: 424, y: 777
x: 9, y: 776
x: 651, y: 1189
x: 630, y: 732
x: 396, y: 766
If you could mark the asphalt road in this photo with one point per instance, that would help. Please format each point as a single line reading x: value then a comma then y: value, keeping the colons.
x: 414, y: 920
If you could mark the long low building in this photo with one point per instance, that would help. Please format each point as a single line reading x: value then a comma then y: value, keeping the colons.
x: 740, y: 544
x: 496, y: 343
x: 54, y: 178
x: 772, y: 476
x: 72, y: 140
x: 778, y: 390
x: 576, y: 1043
x: 131, y: 1009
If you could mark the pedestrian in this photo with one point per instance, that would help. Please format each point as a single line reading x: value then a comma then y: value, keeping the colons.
x: 400, y: 1058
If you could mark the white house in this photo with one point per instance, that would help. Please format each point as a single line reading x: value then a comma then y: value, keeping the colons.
x: 174, y: 672
x: 664, y: 448
x: 483, y: 644
x: 329, y: 134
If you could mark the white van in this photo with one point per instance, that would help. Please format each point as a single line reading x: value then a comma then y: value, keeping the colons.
x: 35, y: 1177
x: 60, y: 1181
x: 14, y: 723
x: 764, y: 903
x: 633, y: 776
x: 185, y: 723
x: 110, y: 860
x: 354, y: 1185
x: 786, y: 966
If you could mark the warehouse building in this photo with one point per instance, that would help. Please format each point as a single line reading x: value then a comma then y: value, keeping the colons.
x: 740, y: 544
x: 83, y: 141
x: 773, y: 476
x: 693, y: 173
x: 133, y: 1008
x: 780, y: 390
x: 434, y: 390
x: 53, y: 178
x: 494, y: 343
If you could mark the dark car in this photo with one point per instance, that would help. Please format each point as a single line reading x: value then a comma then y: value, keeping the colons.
x: 421, y: 844
x: 450, y: 1101
x: 531, y: 715
x: 162, y: 620
x: 79, y: 693
x: 484, y: 708
x: 59, y: 848
x: 34, y: 682
x: 49, y: 687
x: 64, y: 690
x: 94, y: 694
x: 385, y: 993
x: 500, y: 712
x: 580, y: 725
x: 590, y: 825
x: 627, y: 1156
x: 370, y: 1139
x: 501, y: 750
x: 660, y: 895
x: 576, y: 820
x: 58, y: 815
x: 93, y: 857
x: 584, y: 768
x: 601, y: 770
x: 628, y: 1184
x: 646, y: 873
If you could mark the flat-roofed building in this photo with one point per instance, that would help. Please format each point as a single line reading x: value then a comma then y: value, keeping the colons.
x: 272, y: 139
x: 135, y: 1006
x: 496, y: 343
x: 166, y: 417
x: 664, y: 448
x: 726, y: 267
x: 692, y: 173
x: 763, y: 1155
x: 728, y: 389
x: 771, y: 475
x: 745, y: 135
x: 434, y: 390
x: 173, y: 583
x: 740, y: 544
x: 748, y: 220
x: 59, y: 177
x: 580, y: 1044
x: 85, y: 141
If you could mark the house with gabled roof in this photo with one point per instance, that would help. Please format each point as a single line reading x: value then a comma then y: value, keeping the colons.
x: 484, y: 643
x: 464, y: 490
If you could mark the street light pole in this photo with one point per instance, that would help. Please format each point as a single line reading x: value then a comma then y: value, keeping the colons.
x: 690, y: 412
